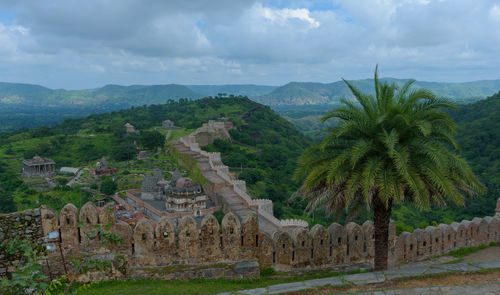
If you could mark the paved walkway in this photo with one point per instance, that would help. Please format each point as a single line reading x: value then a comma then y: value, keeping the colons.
x: 481, y: 289
x: 379, y: 277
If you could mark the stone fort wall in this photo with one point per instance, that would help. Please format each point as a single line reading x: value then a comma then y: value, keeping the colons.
x: 27, y: 225
x: 150, y: 245
x: 264, y: 207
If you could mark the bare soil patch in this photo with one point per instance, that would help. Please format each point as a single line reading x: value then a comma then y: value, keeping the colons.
x: 459, y: 279
x: 490, y: 253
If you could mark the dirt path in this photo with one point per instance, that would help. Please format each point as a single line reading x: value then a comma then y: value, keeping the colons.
x: 490, y: 253
x: 459, y: 279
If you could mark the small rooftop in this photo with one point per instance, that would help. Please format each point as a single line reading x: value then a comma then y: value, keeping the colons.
x: 38, y: 161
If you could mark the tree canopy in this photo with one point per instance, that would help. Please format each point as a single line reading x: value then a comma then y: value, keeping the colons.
x: 396, y: 146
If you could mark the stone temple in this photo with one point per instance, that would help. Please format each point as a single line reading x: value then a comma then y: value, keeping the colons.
x: 180, y: 194
x: 38, y: 167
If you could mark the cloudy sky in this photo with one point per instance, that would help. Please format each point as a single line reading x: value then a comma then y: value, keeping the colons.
x: 78, y: 44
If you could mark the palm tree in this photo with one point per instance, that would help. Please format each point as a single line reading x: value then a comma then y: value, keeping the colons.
x: 396, y: 146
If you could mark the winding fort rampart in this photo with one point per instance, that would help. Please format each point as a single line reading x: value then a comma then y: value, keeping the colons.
x: 232, y: 191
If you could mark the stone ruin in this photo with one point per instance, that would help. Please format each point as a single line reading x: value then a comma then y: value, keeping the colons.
x: 167, y: 124
x: 153, y: 246
x: 38, y: 167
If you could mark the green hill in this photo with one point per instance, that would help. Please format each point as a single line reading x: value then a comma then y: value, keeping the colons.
x: 249, y: 90
x: 122, y: 96
x: 301, y: 93
x: 479, y: 139
x: 265, y: 145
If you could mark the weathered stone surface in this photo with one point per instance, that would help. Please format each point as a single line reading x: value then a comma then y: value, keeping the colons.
x: 124, y: 230
x: 406, y: 271
x: 257, y: 291
x: 283, y: 247
x: 246, y: 267
x: 493, y: 228
x: 460, y: 235
x: 481, y: 236
x: 267, y: 256
x: 249, y: 234
x: 338, y: 240
x: 107, y: 214
x: 189, y: 244
x: 289, y: 287
x: 458, y: 267
x: 435, y: 240
x: 355, y: 242
x: 449, y: 238
x: 423, y: 242
x: 231, y: 237
x: 210, y: 239
x: 301, y: 256
x: 488, y: 264
x: 144, y: 238
x: 89, y: 217
x: 467, y: 233
x: 50, y: 220
x: 320, y: 245
x: 369, y: 242
x: 165, y: 239
x: 332, y: 281
x: 365, y: 278
x: 68, y: 219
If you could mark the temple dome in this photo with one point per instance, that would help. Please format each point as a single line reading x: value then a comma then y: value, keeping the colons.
x: 184, y: 182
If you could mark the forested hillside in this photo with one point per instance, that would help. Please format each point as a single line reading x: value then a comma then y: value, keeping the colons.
x: 264, y: 151
x: 306, y: 93
x: 479, y: 138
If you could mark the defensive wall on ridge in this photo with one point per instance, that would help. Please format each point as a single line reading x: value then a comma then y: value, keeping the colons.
x: 233, y: 191
x: 151, y: 247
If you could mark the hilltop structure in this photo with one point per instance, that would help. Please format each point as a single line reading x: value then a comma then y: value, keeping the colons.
x: 167, y: 124
x: 179, y: 196
x: 129, y: 128
x: 38, y: 167
x: 184, y: 195
x: 102, y: 168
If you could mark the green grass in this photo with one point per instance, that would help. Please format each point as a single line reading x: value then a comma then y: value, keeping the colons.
x: 462, y: 252
x: 202, y: 286
x: 178, y: 133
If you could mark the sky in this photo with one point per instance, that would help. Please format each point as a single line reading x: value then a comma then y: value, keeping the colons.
x: 76, y: 44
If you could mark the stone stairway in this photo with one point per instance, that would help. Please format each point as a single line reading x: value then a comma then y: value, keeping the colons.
x: 229, y: 196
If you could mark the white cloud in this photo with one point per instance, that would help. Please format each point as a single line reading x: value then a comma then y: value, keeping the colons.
x: 283, y: 16
x: 94, y: 42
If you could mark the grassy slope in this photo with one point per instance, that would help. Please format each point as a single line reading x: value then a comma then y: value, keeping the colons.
x: 79, y: 142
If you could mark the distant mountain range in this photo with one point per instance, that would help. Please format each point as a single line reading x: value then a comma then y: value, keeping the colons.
x: 294, y: 93
x: 300, y: 93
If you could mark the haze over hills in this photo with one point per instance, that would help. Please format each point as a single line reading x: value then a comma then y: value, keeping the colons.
x: 28, y: 105
x: 301, y: 93
x: 293, y: 93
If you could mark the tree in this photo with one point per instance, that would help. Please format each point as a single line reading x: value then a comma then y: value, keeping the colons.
x: 108, y: 186
x: 123, y: 150
x: 396, y: 146
x: 151, y: 139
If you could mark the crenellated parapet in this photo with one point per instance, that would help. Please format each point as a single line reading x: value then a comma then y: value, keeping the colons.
x: 263, y: 207
x: 293, y: 222
x: 438, y: 240
x: 151, y: 245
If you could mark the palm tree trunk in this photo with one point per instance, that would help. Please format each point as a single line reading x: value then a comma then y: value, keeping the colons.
x: 381, y: 219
